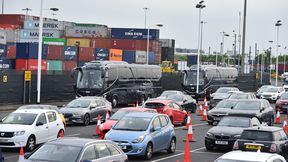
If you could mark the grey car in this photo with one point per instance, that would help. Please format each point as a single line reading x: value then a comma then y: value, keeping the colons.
x: 86, y: 109
x: 71, y: 149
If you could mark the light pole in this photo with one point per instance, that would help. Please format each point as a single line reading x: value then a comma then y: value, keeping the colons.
x: 201, y: 35
x: 200, y: 5
x: 278, y: 24
x: 27, y: 10
x: 148, y: 35
x: 284, y: 59
x: 2, y: 7
x: 39, y: 53
x: 239, y: 37
x: 270, y: 62
x: 222, y: 44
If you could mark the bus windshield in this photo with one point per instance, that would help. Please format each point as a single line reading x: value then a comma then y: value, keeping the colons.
x: 90, y: 79
x: 191, y: 78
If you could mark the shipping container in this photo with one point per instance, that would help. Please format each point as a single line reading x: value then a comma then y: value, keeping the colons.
x: 115, y: 55
x: 70, y: 52
x: 30, y: 51
x: 167, y: 54
x: 135, y: 45
x: 30, y: 64
x: 34, y: 34
x: 7, y: 64
x: 55, y: 65
x: 192, y: 60
x: 129, y: 56
x: 55, y: 41
x: 47, y: 25
x: 82, y: 42
x: 133, y: 33
x: 69, y: 65
x: 2, y: 37
x: 9, y: 26
x: 100, y: 31
x: 158, y: 58
x: 11, y: 51
x: 151, y: 58
x: 24, y: 40
x: 101, y: 54
x: 3, y: 51
x: 86, y: 54
x: 168, y: 43
x: 18, y: 19
x: 141, y: 57
x: 55, y: 52
x: 101, y: 43
x: 12, y: 35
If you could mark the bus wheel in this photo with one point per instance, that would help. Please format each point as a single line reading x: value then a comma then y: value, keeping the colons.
x: 114, y: 101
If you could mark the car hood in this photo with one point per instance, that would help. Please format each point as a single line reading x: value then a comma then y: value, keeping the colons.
x: 248, y: 113
x: 108, y: 124
x: 230, y: 131
x: 124, y: 135
x: 219, y: 111
x: 269, y: 93
x: 14, y: 127
x: 73, y: 110
x: 221, y: 95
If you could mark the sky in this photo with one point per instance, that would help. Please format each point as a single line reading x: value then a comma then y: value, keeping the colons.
x: 180, y: 19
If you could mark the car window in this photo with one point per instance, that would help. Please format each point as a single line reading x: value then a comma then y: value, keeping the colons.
x: 255, y: 122
x: 51, y: 116
x: 164, y: 121
x: 89, y: 154
x: 113, y: 150
x: 256, y: 135
x: 156, y: 123
x: 42, y: 119
x: 176, y: 106
x: 99, y: 103
x: 102, y: 150
x: 277, y: 136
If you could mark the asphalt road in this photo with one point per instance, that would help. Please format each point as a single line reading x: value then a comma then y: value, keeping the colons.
x: 197, y: 149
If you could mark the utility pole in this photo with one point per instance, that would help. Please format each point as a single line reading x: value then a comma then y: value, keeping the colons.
x: 2, y: 7
x: 244, y: 37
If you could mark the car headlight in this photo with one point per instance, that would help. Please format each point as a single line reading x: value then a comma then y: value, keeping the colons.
x: 236, y: 136
x: 209, y: 135
x: 139, y: 139
x: 19, y: 133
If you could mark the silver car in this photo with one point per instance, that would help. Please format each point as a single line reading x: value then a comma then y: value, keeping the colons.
x: 86, y: 109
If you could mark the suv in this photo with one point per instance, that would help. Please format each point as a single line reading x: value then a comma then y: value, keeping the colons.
x: 265, y: 139
x: 272, y: 94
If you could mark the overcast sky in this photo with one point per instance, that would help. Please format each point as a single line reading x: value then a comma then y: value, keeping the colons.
x: 179, y: 17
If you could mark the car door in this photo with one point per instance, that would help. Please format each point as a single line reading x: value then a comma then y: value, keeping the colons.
x: 53, y: 124
x: 101, y: 107
x: 284, y: 143
x: 89, y: 154
x: 41, y: 131
x: 115, y: 154
x: 179, y: 112
x: 157, y: 135
x: 106, y: 153
x: 165, y: 129
x: 93, y: 110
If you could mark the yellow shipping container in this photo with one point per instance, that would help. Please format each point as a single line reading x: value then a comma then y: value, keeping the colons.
x: 83, y: 42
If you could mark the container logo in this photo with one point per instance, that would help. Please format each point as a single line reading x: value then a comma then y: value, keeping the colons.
x: 46, y: 25
x: 4, y: 66
x: 84, y: 31
x: 133, y: 33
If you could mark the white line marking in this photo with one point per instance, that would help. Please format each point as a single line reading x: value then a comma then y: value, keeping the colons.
x: 176, y: 155
x: 73, y: 135
x: 194, y: 125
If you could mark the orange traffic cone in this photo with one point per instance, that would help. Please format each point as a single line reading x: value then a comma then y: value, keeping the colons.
x: 205, y: 104
x: 278, y: 118
x: 200, y: 111
x: 21, y: 156
x: 107, y: 116
x: 98, y: 126
x: 190, y: 134
x: 285, y: 126
x: 204, y: 117
x: 188, y: 121
x: 187, y: 157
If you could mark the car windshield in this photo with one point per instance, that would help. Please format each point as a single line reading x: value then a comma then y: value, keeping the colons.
x: 247, y: 105
x: 154, y: 105
x: 226, y: 104
x: 20, y: 118
x: 119, y: 114
x: 273, y: 90
x: 263, y: 88
x: 79, y: 103
x: 232, y: 160
x: 284, y: 96
x: 177, y: 98
x: 191, y: 78
x: 132, y: 123
x: 56, y: 153
x: 223, y: 90
x: 256, y: 135
x: 238, y: 96
x: 168, y: 93
x: 234, y: 122
x: 90, y: 79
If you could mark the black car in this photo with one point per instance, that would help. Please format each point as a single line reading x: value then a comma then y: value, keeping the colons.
x: 220, y: 110
x: 265, y: 139
x: 228, y: 131
x: 186, y: 101
x: 260, y: 108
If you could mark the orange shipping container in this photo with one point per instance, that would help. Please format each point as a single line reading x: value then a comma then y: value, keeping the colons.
x: 83, y: 42
x: 115, y: 55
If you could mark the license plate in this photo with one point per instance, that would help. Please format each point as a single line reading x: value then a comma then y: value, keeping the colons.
x: 221, y: 142
x: 217, y: 118
x: 253, y: 147
x: 3, y: 140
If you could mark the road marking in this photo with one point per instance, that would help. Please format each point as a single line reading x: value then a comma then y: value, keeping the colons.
x: 202, y: 152
x: 194, y: 125
x: 10, y: 157
x: 165, y: 158
x: 73, y: 135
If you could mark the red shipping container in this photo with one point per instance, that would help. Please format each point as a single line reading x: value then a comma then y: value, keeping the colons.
x: 11, y: 52
x: 9, y: 26
x: 14, y: 19
x: 101, y: 43
x: 86, y: 54
x: 69, y: 65
x: 30, y: 64
x: 55, y: 52
x: 136, y: 45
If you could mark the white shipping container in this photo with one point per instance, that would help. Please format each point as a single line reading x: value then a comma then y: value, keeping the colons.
x: 50, y: 25
x: 2, y: 37
x: 100, y: 31
x: 141, y: 57
x: 33, y: 34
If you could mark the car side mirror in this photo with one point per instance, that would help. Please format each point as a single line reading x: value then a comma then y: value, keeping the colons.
x: 184, y: 101
x: 92, y: 107
x: 232, y: 107
x: 39, y: 124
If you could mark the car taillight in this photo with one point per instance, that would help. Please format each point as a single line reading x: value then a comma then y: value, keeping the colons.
x: 236, y: 146
x: 273, y: 148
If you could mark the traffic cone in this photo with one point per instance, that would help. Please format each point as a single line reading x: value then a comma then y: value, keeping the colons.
x: 188, y: 121
x: 98, y: 125
x: 205, y: 104
x: 204, y: 117
x: 285, y: 126
x: 187, y: 157
x: 137, y: 104
x: 190, y: 134
x: 200, y: 111
x: 107, y: 116
x: 21, y: 156
x: 278, y: 118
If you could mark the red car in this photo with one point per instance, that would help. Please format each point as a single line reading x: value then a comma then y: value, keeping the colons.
x: 106, y: 126
x: 282, y: 103
x: 165, y: 106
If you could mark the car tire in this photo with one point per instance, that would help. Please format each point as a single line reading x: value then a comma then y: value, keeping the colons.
x: 185, y: 120
x: 31, y: 143
x: 149, y: 151
x: 172, y: 146
x: 86, y: 119
x: 208, y: 147
x: 60, y: 133
x: 114, y: 102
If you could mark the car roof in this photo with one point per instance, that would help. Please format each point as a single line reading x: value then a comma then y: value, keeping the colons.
x: 33, y: 111
x: 142, y: 114
x: 89, y: 98
x: 159, y: 100
x: 75, y: 141
x: 138, y: 109
x: 264, y: 128
x: 247, y: 156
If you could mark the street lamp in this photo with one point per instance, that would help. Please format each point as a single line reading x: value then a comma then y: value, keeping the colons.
x: 278, y: 24
x: 222, y: 44
x: 27, y: 10
x: 243, y: 37
x: 270, y: 62
x: 201, y: 35
x: 148, y: 35
x: 200, y: 6
x: 2, y: 7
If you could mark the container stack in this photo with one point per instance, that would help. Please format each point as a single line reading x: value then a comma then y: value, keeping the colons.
x: 168, y: 49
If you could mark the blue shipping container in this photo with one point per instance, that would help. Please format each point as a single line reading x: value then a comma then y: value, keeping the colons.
x: 7, y: 64
x: 129, y: 56
x: 133, y: 33
x: 192, y: 60
x: 30, y: 51
x: 101, y: 54
x: 70, y: 52
x: 151, y: 58
x: 3, y: 51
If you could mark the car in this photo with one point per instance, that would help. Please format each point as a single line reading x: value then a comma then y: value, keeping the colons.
x: 167, y: 93
x: 272, y: 94
x: 176, y: 113
x: 106, y: 126
x: 38, y: 106
x: 285, y: 87
x: 86, y: 109
x: 265, y: 139
x: 257, y: 107
x: 220, y: 110
x: 282, y: 103
x: 185, y: 101
x: 30, y: 127
x: 228, y: 130
x: 142, y: 134
x: 220, y: 94
x: 262, y: 89
x: 242, y: 96
x: 246, y: 156
x: 72, y: 149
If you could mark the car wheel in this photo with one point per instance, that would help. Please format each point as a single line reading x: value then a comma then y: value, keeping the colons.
x: 171, y: 119
x: 86, y: 119
x: 149, y: 151
x: 185, y: 120
x: 31, y: 144
x: 60, y: 133
x: 172, y: 146
x: 208, y: 147
x: 114, y: 102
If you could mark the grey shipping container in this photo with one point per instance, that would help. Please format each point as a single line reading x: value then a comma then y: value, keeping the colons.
x: 12, y: 35
x: 141, y: 57
x: 47, y: 25
x: 167, y: 43
x: 167, y: 54
x: 30, y: 34
x: 100, y: 31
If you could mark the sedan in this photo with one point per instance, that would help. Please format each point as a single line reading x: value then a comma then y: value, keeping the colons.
x: 186, y: 101
x: 105, y: 127
x: 272, y: 94
x: 86, y: 109
x: 142, y: 134
x: 282, y: 103
x: 228, y: 131
x: 77, y: 150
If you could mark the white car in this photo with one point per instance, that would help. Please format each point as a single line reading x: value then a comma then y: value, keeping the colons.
x: 239, y: 156
x: 272, y: 94
x: 29, y: 127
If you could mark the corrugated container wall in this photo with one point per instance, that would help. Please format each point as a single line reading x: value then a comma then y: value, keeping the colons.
x: 101, y: 54
x: 101, y: 43
x: 70, y: 52
x: 82, y: 42
x: 151, y: 58
x: 129, y: 56
x: 54, y: 65
x: 7, y: 64
x: 34, y: 34
x: 55, y: 52
x: 3, y: 51
x: 2, y: 37
x: 133, y: 33
x: 115, y: 55
x: 50, y: 25
x: 100, y: 31
x: 168, y: 43
x: 167, y: 54
x: 11, y: 51
x: 12, y: 35
x: 30, y: 64
x: 192, y: 60
x: 9, y: 26
x: 86, y: 54
x: 69, y: 65
x: 29, y: 51
x: 12, y: 19
x: 141, y: 57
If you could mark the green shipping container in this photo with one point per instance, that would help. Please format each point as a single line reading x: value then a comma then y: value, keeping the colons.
x: 54, y: 65
x: 55, y: 41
